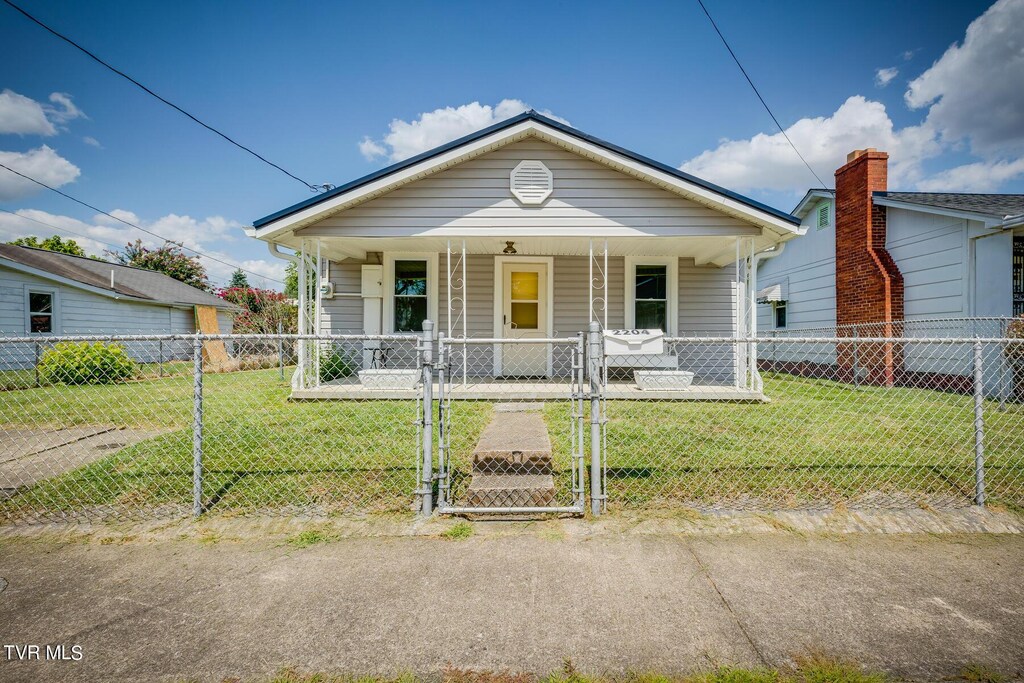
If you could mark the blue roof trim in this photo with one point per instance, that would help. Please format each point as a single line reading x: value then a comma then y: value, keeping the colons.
x: 519, y: 118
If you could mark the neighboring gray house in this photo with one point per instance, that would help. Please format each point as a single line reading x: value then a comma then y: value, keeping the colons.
x: 959, y: 256
x: 44, y: 293
x: 920, y: 264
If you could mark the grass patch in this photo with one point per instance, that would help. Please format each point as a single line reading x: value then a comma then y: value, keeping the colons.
x: 311, y: 537
x: 979, y: 673
x: 813, y: 669
x: 459, y: 531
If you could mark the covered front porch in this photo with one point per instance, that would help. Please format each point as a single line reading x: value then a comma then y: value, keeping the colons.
x: 509, y: 312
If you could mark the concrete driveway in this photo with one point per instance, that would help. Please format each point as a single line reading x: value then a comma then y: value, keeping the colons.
x: 210, y: 606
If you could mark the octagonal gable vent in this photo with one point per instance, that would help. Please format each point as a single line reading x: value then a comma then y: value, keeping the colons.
x: 531, y: 182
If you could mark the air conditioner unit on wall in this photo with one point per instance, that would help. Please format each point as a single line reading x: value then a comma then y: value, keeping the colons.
x: 326, y: 288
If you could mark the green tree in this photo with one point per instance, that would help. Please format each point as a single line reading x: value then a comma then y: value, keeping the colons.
x: 291, y: 281
x: 54, y: 243
x: 170, y: 259
x: 238, y: 279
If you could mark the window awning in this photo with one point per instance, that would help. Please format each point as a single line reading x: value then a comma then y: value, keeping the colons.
x: 778, y: 291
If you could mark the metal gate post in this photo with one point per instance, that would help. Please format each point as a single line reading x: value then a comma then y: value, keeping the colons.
x: 427, y: 484
x: 594, y: 361
x: 197, y: 426
x: 979, y: 426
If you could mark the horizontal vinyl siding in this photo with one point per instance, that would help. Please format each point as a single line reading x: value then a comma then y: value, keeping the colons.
x: 476, y: 194
x: 808, y: 263
x: 344, y: 314
x: 930, y: 251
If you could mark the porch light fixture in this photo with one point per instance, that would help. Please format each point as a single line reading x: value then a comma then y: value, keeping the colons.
x: 510, y: 248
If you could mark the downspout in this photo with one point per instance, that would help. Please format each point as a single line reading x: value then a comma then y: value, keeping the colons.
x: 756, y: 260
x: 272, y: 247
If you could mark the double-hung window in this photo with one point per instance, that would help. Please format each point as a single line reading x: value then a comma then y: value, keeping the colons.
x: 41, y: 312
x: 410, y: 295
x: 779, y: 311
x: 651, y: 293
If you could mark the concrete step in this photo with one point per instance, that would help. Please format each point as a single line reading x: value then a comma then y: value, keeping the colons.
x: 514, y: 443
x: 511, y: 490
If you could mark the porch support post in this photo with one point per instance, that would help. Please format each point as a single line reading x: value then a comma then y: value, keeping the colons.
x: 427, y: 483
x: 595, y: 361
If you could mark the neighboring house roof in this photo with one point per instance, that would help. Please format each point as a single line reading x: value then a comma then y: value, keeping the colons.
x: 544, y: 122
x: 994, y: 205
x: 811, y: 198
x: 137, y: 284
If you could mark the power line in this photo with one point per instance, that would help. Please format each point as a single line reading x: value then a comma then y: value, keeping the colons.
x: 133, y: 225
x: 311, y: 186
x: 756, y: 92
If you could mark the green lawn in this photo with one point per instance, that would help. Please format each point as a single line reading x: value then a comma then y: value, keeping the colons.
x: 816, y: 441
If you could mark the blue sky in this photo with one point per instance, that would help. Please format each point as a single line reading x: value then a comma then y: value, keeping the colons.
x: 304, y: 84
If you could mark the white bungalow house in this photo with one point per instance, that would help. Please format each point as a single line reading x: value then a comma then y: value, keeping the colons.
x: 531, y: 228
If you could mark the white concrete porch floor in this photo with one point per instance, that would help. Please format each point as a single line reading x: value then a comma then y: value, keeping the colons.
x: 503, y: 389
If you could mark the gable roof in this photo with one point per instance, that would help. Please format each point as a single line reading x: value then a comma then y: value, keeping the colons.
x: 994, y: 205
x: 810, y: 198
x: 138, y: 284
x: 526, y: 117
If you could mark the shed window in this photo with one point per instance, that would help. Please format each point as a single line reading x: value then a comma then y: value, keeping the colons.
x: 824, y: 216
x: 410, y: 295
x: 40, y: 312
x: 779, y: 313
x: 651, y: 301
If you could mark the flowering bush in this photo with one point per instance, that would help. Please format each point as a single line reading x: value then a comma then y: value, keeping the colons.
x: 262, y: 310
x: 170, y: 259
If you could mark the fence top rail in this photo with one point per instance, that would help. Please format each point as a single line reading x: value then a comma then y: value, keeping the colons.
x: 502, y: 340
x: 843, y: 340
x: 49, y: 338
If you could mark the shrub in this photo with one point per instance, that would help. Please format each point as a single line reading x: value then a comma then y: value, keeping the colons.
x: 336, y: 364
x: 86, y: 363
x: 1015, y: 330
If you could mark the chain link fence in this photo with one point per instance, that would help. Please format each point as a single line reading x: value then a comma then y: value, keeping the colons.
x: 128, y: 426
x: 168, y: 426
x: 860, y: 422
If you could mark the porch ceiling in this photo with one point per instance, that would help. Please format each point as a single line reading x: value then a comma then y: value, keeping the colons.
x: 719, y: 250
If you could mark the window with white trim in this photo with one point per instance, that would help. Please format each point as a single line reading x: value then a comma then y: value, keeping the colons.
x: 410, y: 307
x: 652, y: 293
x: 40, y: 312
x: 779, y: 314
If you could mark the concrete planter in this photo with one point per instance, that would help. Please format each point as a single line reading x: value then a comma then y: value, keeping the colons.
x: 389, y: 379
x: 663, y: 380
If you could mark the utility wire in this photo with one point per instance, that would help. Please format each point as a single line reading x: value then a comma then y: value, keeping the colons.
x: 756, y: 92
x: 311, y: 186
x: 137, y: 227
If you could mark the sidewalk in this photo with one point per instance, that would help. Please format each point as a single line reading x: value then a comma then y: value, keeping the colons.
x: 516, y: 597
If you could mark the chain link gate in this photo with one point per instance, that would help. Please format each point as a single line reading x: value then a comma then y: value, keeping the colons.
x: 511, y: 435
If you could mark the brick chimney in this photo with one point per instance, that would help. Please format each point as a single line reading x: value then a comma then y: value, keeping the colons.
x: 869, y: 286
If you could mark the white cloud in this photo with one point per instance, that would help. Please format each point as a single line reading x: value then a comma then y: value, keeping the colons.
x: 22, y: 115
x: 92, y: 142
x: 212, y: 236
x: 431, y: 129
x: 42, y: 163
x: 974, y: 90
x: 884, y: 77
x: 767, y: 162
x: 65, y: 110
x: 982, y: 176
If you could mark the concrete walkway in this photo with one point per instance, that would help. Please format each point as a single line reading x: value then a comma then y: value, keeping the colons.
x: 522, y: 598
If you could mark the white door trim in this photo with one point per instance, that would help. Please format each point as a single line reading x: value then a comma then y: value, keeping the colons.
x: 499, y: 299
